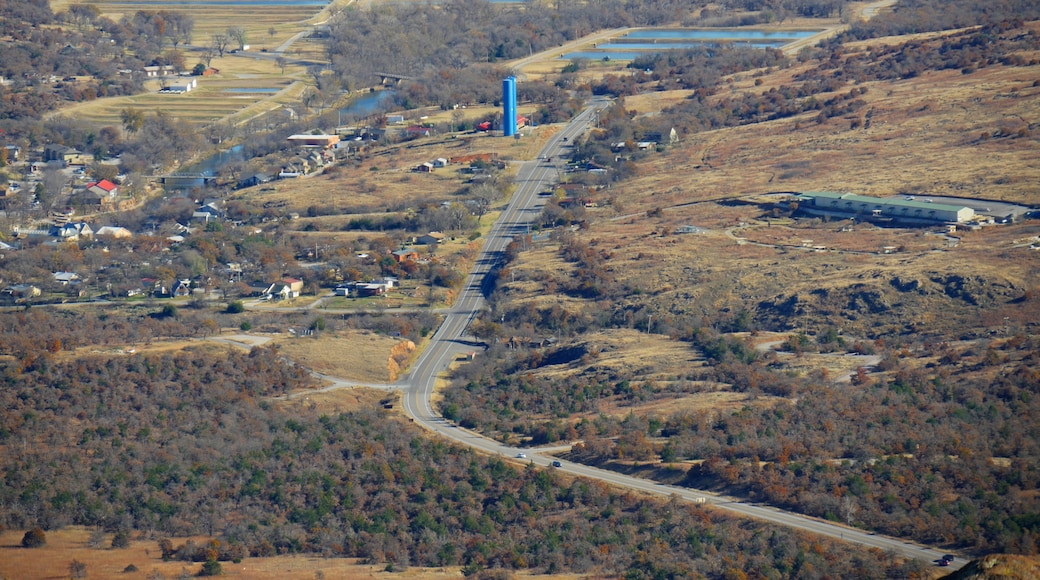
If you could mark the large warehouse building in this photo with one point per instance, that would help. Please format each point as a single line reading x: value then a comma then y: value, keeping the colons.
x: 908, y: 210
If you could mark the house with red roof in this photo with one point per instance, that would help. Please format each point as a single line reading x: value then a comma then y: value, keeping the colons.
x: 103, y: 188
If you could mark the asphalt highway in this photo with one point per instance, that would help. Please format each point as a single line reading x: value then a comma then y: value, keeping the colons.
x: 450, y: 341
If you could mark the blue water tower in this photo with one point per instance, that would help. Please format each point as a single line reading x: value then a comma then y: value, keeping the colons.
x: 509, y: 106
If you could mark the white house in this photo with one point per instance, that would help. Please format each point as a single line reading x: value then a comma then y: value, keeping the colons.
x: 65, y: 278
x: 73, y: 231
x: 114, y: 232
x: 155, y: 71
x: 181, y: 86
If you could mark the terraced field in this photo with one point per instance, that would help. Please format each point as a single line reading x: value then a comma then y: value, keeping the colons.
x: 249, y: 85
x: 234, y: 97
x: 215, y: 16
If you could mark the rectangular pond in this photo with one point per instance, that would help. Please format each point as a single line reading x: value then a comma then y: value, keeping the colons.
x: 216, y: 3
x: 659, y: 46
x: 719, y: 34
x: 252, y: 90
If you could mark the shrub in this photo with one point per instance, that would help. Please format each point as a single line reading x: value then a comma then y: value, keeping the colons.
x: 34, y: 538
x: 236, y: 307
x: 211, y: 568
x: 121, y: 539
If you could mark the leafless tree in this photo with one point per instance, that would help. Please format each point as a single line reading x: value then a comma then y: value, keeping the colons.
x: 238, y: 34
x: 220, y: 43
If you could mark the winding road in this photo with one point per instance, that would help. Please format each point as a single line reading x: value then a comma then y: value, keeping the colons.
x: 451, y: 340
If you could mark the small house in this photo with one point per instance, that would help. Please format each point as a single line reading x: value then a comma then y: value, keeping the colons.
x: 430, y: 239
x: 406, y: 255
x: 116, y: 232
x: 254, y: 180
x: 156, y: 71
x: 314, y: 141
x: 287, y: 288
x: 375, y: 287
x: 418, y: 131
x: 180, y: 87
x: 66, y: 278
x: 425, y: 167
x: 209, y: 210
x: 72, y: 231
x: 394, y: 119
x: 182, y: 289
x: 54, y: 152
x: 22, y: 291
x: 103, y: 188
x: 440, y: 162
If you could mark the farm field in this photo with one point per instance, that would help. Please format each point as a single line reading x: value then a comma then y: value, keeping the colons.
x: 232, y: 95
x: 227, y: 96
x: 285, y: 17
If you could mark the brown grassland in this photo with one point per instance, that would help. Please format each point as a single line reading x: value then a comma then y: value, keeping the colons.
x: 64, y: 546
x: 923, y: 135
x: 358, y: 356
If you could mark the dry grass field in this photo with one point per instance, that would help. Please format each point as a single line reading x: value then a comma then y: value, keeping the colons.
x: 357, y: 356
x: 64, y: 546
x: 923, y: 137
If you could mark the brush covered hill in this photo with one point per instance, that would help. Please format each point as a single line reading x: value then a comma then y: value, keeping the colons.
x: 691, y: 243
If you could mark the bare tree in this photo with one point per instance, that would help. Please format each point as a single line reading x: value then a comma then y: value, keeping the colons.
x: 53, y: 183
x: 180, y: 26
x: 220, y: 43
x: 238, y: 34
